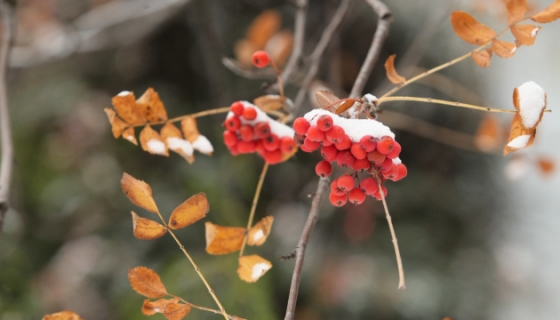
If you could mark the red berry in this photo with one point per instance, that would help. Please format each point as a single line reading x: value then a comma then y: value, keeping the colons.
x: 301, y: 125
x: 327, y: 143
x: 250, y: 113
x: 273, y: 157
x: 325, y: 122
x: 232, y: 123
x: 338, y: 200
x: 392, y: 173
x: 376, y: 157
x: 369, y: 186
x: 299, y: 138
x: 356, y: 196
x: 335, y: 189
x: 259, y: 148
x: 345, y: 144
x: 246, y: 132
x: 358, y: 151
x: 336, y: 134
x: 368, y: 143
x: 246, y: 146
x: 329, y: 153
x: 287, y: 144
x: 345, y: 159
x: 345, y: 182
x: 385, y: 165
x: 361, y: 164
x: 271, y: 143
x: 237, y: 108
x: 233, y: 150
x: 260, y: 59
x: 230, y: 138
x: 262, y: 130
x: 402, y: 172
x: 395, y: 152
x: 385, y: 144
x: 377, y: 195
x: 314, y: 134
x: 311, y: 145
x: 323, y: 169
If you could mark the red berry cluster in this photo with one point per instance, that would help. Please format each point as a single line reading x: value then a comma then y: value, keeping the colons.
x: 347, y: 142
x: 250, y: 130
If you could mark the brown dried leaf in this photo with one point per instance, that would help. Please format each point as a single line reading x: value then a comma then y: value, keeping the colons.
x: 189, y: 212
x: 518, y: 135
x: 175, y: 142
x: 190, y: 129
x: 280, y: 46
x: 151, y: 141
x: 503, y: 49
x: 146, y: 282
x: 263, y: 27
x: 546, y: 166
x: 270, y: 102
x: 243, y: 50
x: 223, y: 240
x: 325, y: 98
x: 260, y: 231
x: 129, y: 135
x: 151, y: 107
x: 482, y: 58
x: 125, y: 104
x: 176, y: 311
x: 251, y: 268
x: 146, y: 229
x: 525, y: 34
x: 549, y: 14
x: 516, y: 10
x: 117, y: 125
x: 518, y: 107
x: 149, y: 308
x: 391, y: 72
x: 62, y: 315
x: 347, y: 104
x: 139, y: 192
x: 469, y: 29
x: 488, y: 136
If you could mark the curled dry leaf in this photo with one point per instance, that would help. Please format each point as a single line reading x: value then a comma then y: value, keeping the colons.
x: 391, y: 72
x: 128, y: 134
x: 263, y: 27
x: 516, y: 10
x: 525, y: 34
x: 146, y: 229
x: 270, y: 102
x: 251, y: 268
x: 203, y: 145
x: 223, y: 240
x: 151, y: 141
x: 189, y: 212
x: 190, y: 129
x: 530, y: 100
x: 482, y: 58
x: 175, y: 142
x: 519, y: 136
x: 149, y: 308
x: 325, y: 98
x: 260, y: 231
x: 146, y: 282
x: 176, y: 311
x: 125, y: 104
x: 549, y: 14
x: 151, y: 107
x: 347, y: 104
x: 488, y: 137
x: 139, y: 192
x: 280, y: 46
x: 62, y: 315
x: 469, y: 29
x: 503, y: 49
x: 546, y: 166
x: 117, y: 125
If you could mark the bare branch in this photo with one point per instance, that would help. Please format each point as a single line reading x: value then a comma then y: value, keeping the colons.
x: 6, y: 164
x: 300, y: 249
x: 236, y: 68
x: 299, y: 36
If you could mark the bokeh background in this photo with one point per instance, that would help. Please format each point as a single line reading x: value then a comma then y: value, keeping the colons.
x: 477, y: 231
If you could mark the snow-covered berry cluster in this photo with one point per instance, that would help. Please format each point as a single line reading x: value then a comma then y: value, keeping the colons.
x: 249, y: 130
x: 362, y: 145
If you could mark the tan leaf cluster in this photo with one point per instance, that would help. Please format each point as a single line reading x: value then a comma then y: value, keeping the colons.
x: 252, y: 267
x: 62, y: 315
x: 391, y: 72
x: 146, y: 282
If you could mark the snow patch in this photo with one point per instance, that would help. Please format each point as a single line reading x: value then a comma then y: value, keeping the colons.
x: 532, y: 100
x: 124, y: 93
x: 258, y: 235
x: 259, y: 269
x: 178, y: 144
x: 277, y: 128
x: 519, y: 142
x: 156, y: 146
x: 203, y: 145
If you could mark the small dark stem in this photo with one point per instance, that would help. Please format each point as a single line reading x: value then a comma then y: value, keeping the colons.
x: 300, y: 249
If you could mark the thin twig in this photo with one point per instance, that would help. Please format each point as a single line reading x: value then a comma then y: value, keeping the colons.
x: 299, y: 36
x: 236, y: 68
x: 204, y: 308
x: 446, y: 102
x: 6, y: 164
x: 302, y: 244
x: 254, y: 205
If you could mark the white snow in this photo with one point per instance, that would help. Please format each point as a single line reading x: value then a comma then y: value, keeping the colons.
x: 156, y: 146
x: 178, y: 144
x: 532, y: 100
x: 397, y: 161
x: 355, y: 129
x: 258, y: 235
x: 516, y: 168
x: 513, y: 50
x: 519, y: 142
x: 124, y: 93
x: 203, y: 145
x: 535, y: 31
x: 279, y: 129
x: 259, y: 269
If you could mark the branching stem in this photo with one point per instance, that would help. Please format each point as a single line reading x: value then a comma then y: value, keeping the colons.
x: 254, y: 205
x: 203, y: 308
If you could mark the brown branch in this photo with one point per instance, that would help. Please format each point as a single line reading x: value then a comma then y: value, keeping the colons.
x: 299, y: 36
x: 6, y: 164
x: 236, y: 68
x: 302, y: 244
x: 383, y: 23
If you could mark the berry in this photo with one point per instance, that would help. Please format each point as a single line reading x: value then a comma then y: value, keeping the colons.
x: 392, y: 173
x: 385, y: 145
x: 273, y: 157
x: 323, y: 169
x: 329, y: 153
x: 314, y: 134
x: 385, y: 165
x: 345, y: 159
x: 287, y: 145
x: 361, y: 164
x: 262, y: 130
x: 395, y: 152
x: 335, y: 189
x: 250, y: 113
x: 338, y: 200
x: 233, y: 150
x: 325, y: 122
x: 237, y: 108
x: 376, y: 157
x: 345, y: 182
x: 299, y: 138
x: 368, y: 143
x: 356, y: 196
x: 369, y: 186
x: 259, y: 148
x: 260, y: 59
x: 358, y: 151
x: 230, y: 138
x: 336, y: 134
x: 246, y: 146
x: 345, y: 144
x: 246, y: 132
x: 402, y: 172
x: 271, y: 143
x: 377, y: 195
x: 301, y: 125
x: 232, y: 123
x: 327, y: 143
x: 311, y: 145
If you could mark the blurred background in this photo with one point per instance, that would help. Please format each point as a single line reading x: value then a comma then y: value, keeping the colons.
x: 477, y: 231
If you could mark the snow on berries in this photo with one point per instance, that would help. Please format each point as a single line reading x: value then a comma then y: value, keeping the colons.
x: 250, y: 130
x: 361, y: 145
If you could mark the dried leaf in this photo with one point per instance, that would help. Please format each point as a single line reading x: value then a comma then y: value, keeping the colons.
x: 223, y: 240
x: 203, y: 145
x: 175, y: 142
x: 530, y: 100
x: 63, y: 315
x: 503, y: 49
x: 482, y: 58
x: 525, y: 34
x: 176, y: 311
x: 516, y: 10
x: 189, y: 212
x: 149, y: 308
x: 263, y: 27
x: 243, y: 50
x: 469, y: 29
x: 325, y: 98
x: 488, y: 136
x: 190, y: 129
x: 125, y: 104
x: 270, y: 102
x: 139, y: 192
x: 251, y: 268
x: 128, y: 134
x: 546, y: 166
x: 151, y: 107
x: 279, y: 47
x: 347, y: 104
x: 151, y: 141
x: 549, y: 14
x: 146, y: 282
x: 146, y: 229
x: 519, y: 136
x: 260, y: 231
x: 117, y: 125
x: 391, y: 72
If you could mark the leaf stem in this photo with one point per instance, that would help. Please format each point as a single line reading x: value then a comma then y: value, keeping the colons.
x: 444, y: 102
x: 254, y: 205
x: 203, y: 308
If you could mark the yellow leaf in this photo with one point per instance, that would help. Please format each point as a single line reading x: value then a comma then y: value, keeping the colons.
x: 525, y: 34
x: 251, y: 268
x: 516, y: 10
x: 482, y: 58
x: 503, y: 49
x: 260, y: 231
x: 189, y: 212
x: 176, y: 311
x: 223, y: 240
x: 146, y: 282
x: 125, y: 104
x: 270, y: 102
x: 549, y: 14
x: 146, y: 229
x: 117, y: 124
x: 151, y: 107
x: 139, y: 192
x: 175, y: 142
x: 469, y: 29
x: 151, y: 141
x: 149, y: 308
x: 263, y: 27
x: 190, y: 129
x: 325, y: 98
x: 128, y: 134
x: 63, y: 315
